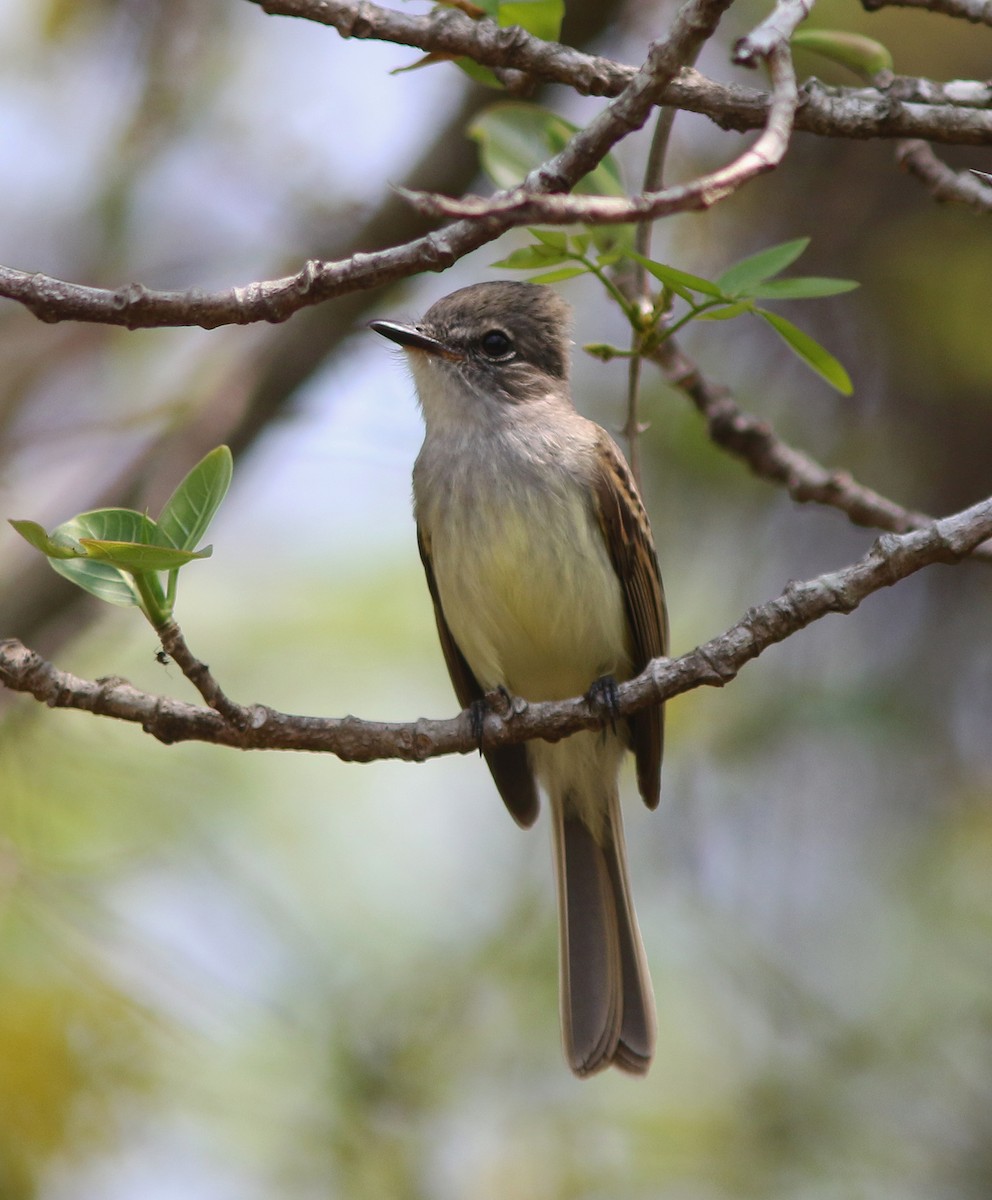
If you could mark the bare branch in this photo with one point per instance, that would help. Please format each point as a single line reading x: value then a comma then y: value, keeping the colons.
x: 137, y: 307
x: 198, y: 673
x: 448, y: 32
x: 775, y: 30
x: 943, y: 183
x: 523, y: 207
x: 755, y: 443
x: 891, y: 559
x: 958, y: 93
x: 979, y: 12
x: 694, y: 23
x: 829, y: 112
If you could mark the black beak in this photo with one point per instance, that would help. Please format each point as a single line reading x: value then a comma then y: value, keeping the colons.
x: 410, y: 338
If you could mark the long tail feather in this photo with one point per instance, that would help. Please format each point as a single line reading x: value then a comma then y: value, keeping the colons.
x: 607, y: 1003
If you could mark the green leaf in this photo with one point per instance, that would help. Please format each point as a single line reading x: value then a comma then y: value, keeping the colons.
x: 190, y: 509
x: 34, y: 533
x: 140, y: 556
x: 605, y: 352
x: 610, y: 258
x: 863, y: 55
x: 426, y: 60
x: 103, y: 579
x: 528, y: 258
x: 810, y: 351
x: 558, y: 276
x: 99, y: 579
x: 542, y: 18
x: 472, y: 69
x: 557, y: 239
x: 803, y: 287
x: 514, y: 138
x: 751, y: 271
x: 678, y: 281
x: 112, y: 525
x: 727, y: 313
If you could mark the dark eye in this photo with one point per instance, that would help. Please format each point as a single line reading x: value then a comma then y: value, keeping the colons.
x: 496, y: 344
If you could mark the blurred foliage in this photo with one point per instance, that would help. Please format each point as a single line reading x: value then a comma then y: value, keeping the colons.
x: 226, y: 975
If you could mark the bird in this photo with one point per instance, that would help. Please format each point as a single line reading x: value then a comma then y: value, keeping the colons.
x: 545, y: 583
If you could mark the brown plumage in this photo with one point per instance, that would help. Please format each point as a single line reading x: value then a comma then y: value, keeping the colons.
x: 542, y: 570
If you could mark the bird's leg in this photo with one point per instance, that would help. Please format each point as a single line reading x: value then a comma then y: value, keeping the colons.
x: 603, y: 698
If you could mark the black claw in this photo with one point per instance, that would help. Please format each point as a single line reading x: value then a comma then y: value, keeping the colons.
x: 604, y: 698
x: 498, y: 701
x: 477, y: 717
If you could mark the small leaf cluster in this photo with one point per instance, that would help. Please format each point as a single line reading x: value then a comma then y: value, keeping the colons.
x: 119, y: 555
x: 514, y: 138
x: 736, y: 292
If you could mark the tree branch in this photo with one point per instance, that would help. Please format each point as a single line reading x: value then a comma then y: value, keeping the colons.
x: 943, y: 183
x: 756, y: 444
x: 976, y: 11
x: 831, y: 112
x: 522, y: 207
x: 775, y: 30
x: 892, y: 558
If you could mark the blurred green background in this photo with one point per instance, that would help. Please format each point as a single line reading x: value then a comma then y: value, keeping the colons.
x: 240, y: 976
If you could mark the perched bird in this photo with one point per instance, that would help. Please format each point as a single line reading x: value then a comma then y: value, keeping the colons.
x: 541, y: 566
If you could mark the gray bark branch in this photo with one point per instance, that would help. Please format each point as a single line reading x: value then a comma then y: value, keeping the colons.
x: 891, y: 559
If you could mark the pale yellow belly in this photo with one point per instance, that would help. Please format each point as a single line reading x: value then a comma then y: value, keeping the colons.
x: 532, y: 600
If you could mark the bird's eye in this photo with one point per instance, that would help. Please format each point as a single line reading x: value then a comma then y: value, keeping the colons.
x: 496, y: 345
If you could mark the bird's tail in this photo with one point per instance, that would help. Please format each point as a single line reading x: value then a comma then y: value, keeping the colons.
x: 607, y: 1003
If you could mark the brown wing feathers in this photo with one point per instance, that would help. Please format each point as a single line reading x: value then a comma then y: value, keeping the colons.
x: 628, y: 539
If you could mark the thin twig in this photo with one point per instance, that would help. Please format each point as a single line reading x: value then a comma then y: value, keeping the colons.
x: 653, y: 181
x: 775, y: 30
x: 943, y: 183
x: 198, y: 673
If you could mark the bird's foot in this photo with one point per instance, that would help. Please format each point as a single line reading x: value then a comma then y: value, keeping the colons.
x: 498, y: 701
x: 604, y: 699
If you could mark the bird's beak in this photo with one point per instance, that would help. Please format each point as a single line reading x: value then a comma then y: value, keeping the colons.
x: 410, y: 338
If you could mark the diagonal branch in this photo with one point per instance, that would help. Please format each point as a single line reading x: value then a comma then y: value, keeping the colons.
x: 841, y: 113
x: 136, y: 307
x: 942, y: 181
x: 891, y: 559
x: 522, y: 207
x: 693, y: 25
x: 755, y: 443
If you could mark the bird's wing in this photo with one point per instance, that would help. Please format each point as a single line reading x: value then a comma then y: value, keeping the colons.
x: 628, y: 539
x: 509, y: 765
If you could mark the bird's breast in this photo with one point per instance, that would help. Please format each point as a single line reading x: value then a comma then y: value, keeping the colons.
x: 525, y: 580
